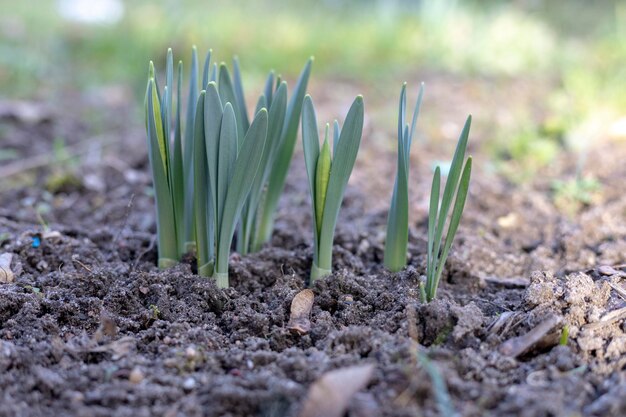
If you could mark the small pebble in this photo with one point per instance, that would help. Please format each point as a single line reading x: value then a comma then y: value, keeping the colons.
x: 189, y: 384
x: 135, y: 376
x: 191, y: 352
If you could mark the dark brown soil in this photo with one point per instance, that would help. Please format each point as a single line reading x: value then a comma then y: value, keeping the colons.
x: 90, y: 327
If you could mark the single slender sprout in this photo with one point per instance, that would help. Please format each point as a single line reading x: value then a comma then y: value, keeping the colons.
x: 328, y: 176
x: 564, y: 336
x: 398, y: 219
x: 456, y: 183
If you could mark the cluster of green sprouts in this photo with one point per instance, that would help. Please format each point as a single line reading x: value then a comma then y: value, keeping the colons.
x: 221, y: 172
x: 225, y: 172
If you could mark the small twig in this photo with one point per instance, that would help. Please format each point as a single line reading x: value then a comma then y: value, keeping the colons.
x: 618, y: 289
x: 75, y: 259
x: 129, y: 208
x: 609, y: 318
x: 141, y: 255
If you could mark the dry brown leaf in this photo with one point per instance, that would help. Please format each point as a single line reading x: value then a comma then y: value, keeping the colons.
x: 118, y: 348
x: 301, y: 306
x: 330, y: 395
x: 517, y: 346
x: 6, y: 274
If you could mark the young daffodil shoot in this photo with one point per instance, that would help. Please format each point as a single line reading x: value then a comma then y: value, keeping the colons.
x: 457, y: 183
x: 398, y: 218
x: 328, y: 176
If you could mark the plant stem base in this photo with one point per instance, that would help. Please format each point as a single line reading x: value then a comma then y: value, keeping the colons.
x: 317, y: 272
x: 166, y: 263
x: 222, y: 279
x: 206, y: 270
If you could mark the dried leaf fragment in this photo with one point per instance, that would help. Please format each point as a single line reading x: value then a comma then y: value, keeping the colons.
x: 517, y: 346
x: 301, y: 306
x: 330, y: 395
x: 6, y: 274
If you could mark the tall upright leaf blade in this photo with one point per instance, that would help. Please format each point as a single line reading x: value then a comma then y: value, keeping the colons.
x: 402, y: 111
x: 227, y: 94
x: 201, y: 195
x: 416, y: 112
x: 166, y: 231
x: 276, y: 118
x: 227, y: 155
x: 155, y: 109
x: 205, y: 70
x: 311, y: 148
x: 336, y: 135
x: 212, y: 127
x: 455, y: 219
x: 322, y: 176
x: 241, y: 98
x: 213, y: 75
x: 169, y: 85
x: 245, y: 170
x: 268, y: 90
x: 451, y: 182
x: 398, y: 218
x: 178, y: 183
x: 260, y: 104
x: 347, y: 149
x: 192, y: 99
x: 433, y: 209
x: 281, y: 166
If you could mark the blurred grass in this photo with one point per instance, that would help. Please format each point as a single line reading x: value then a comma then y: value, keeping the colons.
x: 579, y: 48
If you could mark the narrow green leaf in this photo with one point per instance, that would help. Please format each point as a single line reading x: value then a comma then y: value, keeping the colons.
x: 455, y: 219
x: 192, y: 99
x: 227, y: 155
x: 433, y: 209
x: 276, y: 118
x: 451, y: 183
x: 416, y: 111
x: 311, y: 148
x: 336, y: 135
x: 169, y: 85
x: 213, y: 76
x: 227, y: 94
x: 212, y: 127
x: 155, y: 107
x: 205, y: 71
x: 245, y: 170
x: 166, y: 231
x: 398, y: 218
x: 322, y: 175
x: 260, y: 104
x: 178, y: 184
x: 283, y: 160
x: 402, y: 111
x: 201, y: 185
x: 269, y: 89
x: 239, y: 94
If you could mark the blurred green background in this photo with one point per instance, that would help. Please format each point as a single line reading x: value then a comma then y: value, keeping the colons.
x: 573, y: 53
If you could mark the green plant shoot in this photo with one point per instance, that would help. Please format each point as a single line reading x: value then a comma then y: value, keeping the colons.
x: 398, y: 218
x: 328, y: 176
x: 457, y: 183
